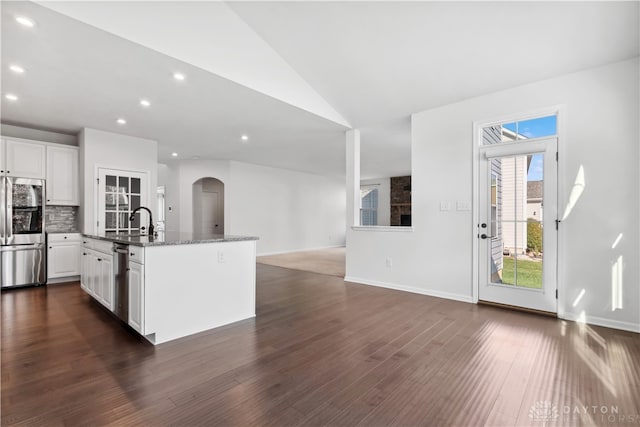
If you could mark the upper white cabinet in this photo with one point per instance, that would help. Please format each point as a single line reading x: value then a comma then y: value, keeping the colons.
x: 62, y: 175
x: 23, y: 159
x: 58, y: 163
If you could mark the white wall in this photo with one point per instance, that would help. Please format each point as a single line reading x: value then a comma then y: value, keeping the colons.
x: 110, y: 150
x: 384, y: 198
x: 287, y: 210
x: 601, y: 135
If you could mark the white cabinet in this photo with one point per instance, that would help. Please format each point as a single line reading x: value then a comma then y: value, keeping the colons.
x: 97, y: 272
x: 63, y: 255
x: 62, y: 175
x: 136, y: 296
x: 86, y: 271
x: 105, y: 288
x: 24, y: 159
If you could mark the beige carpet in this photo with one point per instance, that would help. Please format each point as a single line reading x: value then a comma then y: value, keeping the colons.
x: 324, y: 261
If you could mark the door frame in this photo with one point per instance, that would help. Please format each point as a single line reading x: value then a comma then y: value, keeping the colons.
x: 478, y: 125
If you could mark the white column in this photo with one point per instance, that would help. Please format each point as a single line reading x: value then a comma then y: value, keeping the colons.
x: 353, y: 177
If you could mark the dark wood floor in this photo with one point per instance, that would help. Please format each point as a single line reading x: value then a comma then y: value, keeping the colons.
x: 319, y: 352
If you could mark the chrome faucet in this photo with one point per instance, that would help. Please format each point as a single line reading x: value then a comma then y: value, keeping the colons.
x: 133, y: 216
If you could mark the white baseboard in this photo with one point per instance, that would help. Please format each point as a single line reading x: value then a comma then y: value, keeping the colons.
x: 601, y: 321
x: 431, y: 293
x: 63, y: 280
x: 300, y: 250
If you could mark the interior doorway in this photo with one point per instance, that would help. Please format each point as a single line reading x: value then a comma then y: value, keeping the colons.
x: 208, y: 206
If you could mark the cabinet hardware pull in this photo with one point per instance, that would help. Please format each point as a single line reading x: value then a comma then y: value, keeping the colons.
x: 84, y: 253
x: 50, y: 247
x: 99, y: 259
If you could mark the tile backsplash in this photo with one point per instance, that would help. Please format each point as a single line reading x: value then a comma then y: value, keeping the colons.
x: 61, y: 219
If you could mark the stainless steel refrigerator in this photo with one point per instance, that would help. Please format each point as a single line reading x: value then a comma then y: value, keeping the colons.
x: 22, y: 233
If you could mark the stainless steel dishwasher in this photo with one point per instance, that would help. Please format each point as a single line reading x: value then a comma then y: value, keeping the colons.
x: 121, y: 281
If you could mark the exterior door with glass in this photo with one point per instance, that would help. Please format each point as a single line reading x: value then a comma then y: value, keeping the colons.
x: 517, y: 230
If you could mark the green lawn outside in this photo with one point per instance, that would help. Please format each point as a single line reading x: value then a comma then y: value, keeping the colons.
x: 529, y: 273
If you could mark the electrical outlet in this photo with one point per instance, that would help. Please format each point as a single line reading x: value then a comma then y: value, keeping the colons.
x: 389, y: 262
x: 220, y: 257
x: 445, y: 206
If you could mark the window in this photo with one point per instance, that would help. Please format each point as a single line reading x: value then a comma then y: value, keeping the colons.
x: 520, y: 130
x: 119, y: 194
x: 368, y: 206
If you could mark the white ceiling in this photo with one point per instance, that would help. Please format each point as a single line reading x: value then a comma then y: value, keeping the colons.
x: 375, y: 63
x: 78, y: 76
x: 379, y: 62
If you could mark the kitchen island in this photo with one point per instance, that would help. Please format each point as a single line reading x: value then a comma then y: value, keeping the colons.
x: 177, y: 284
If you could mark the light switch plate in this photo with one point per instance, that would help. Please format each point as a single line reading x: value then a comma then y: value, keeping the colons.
x: 445, y: 206
x: 462, y: 205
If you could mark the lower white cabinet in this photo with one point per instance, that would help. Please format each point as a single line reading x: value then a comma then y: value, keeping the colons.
x: 86, y: 271
x: 106, y: 288
x: 136, y: 296
x: 63, y: 255
x: 97, y: 276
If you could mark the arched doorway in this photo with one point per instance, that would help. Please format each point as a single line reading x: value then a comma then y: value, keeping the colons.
x: 208, y: 206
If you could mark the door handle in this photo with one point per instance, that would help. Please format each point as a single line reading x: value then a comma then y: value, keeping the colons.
x: 484, y: 236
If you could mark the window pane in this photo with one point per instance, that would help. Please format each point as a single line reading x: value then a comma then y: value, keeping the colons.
x: 135, y: 202
x: 111, y: 182
x: 521, y: 130
x: 110, y: 220
x: 110, y: 201
x: 135, y: 185
x: 124, y: 184
x: 509, y: 132
x: 536, y: 128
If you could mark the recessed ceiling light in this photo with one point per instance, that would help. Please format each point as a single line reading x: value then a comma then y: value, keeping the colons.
x: 25, y: 21
x: 174, y: 154
x: 178, y: 76
x: 16, y: 69
x: 145, y: 103
x: 11, y: 97
x: 244, y: 138
x: 121, y: 121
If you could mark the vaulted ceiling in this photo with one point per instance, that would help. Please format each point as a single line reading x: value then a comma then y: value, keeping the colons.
x: 291, y: 75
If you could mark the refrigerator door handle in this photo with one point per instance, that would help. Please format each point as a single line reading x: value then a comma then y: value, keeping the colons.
x: 8, y: 233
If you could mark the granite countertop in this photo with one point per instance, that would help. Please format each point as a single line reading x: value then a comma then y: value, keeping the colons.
x: 168, y: 238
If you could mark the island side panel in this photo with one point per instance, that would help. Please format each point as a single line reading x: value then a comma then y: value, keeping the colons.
x: 195, y: 287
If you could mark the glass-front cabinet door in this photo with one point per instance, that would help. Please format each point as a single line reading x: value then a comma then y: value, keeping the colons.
x: 119, y: 194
